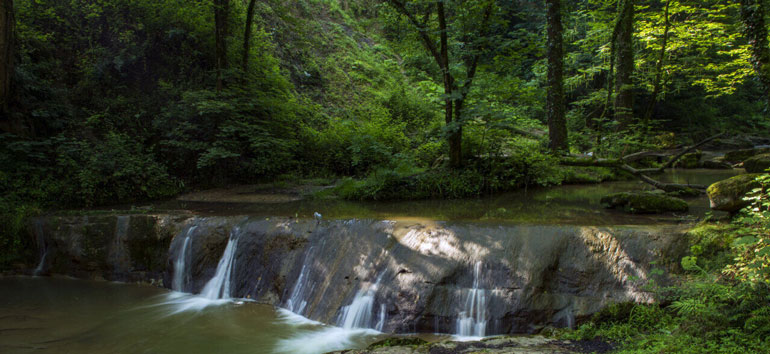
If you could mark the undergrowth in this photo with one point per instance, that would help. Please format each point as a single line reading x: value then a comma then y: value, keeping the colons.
x: 720, y: 304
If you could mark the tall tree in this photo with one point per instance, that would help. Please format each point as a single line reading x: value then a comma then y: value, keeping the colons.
x: 657, y: 81
x: 7, y: 24
x: 221, y: 12
x: 753, y: 16
x: 624, y: 63
x: 247, y: 35
x: 555, y: 106
x: 455, y: 93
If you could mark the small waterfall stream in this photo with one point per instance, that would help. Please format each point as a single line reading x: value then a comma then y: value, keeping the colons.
x: 297, y: 303
x: 472, y: 321
x: 359, y: 313
x: 43, y: 248
x: 219, y: 286
x: 181, y: 268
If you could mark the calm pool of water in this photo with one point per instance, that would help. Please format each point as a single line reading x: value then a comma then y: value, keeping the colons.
x: 58, y: 315
x: 568, y: 204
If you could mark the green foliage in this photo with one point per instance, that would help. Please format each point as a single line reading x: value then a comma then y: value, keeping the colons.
x: 15, y: 243
x: 720, y: 305
x: 529, y: 167
x: 752, y: 237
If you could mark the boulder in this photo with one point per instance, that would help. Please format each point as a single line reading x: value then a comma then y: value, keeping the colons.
x: 728, y: 195
x: 757, y: 164
x: 644, y: 202
x: 737, y: 156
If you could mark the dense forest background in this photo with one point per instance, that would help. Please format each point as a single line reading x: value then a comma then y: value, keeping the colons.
x: 108, y: 102
x: 126, y: 100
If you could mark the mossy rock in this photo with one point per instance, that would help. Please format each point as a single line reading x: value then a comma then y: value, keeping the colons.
x: 742, y: 155
x: 757, y: 164
x: 398, y: 342
x: 587, y: 175
x: 644, y: 203
x: 690, y: 160
x: 728, y: 195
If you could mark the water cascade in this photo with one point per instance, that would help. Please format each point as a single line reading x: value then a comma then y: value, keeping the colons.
x: 43, y: 248
x: 472, y: 321
x: 181, y: 271
x: 219, y: 286
x: 359, y: 313
x: 381, y: 321
x: 297, y: 302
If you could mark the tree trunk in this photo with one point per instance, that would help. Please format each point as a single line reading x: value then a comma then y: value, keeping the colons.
x: 753, y: 16
x: 659, y: 65
x: 221, y: 11
x: 7, y: 24
x: 555, y: 104
x: 452, y: 116
x: 247, y: 36
x: 454, y: 96
x: 624, y: 98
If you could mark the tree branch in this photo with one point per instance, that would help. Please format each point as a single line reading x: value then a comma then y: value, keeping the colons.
x: 421, y: 29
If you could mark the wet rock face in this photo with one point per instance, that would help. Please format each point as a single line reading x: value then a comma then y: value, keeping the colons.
x: 122, y: 248
x: 530, y: 276
x: 728, y: 195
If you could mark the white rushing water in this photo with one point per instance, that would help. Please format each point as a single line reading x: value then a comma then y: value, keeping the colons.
x: 472, y: 320
x: 181, y: 269
x: 217, y: 290
x: 359, y: 313
x: 42, y: 247
x: 219, y: 286
x: 297, y: 302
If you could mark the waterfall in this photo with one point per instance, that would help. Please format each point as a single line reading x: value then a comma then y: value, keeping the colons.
x: 359, y: 313
x: 117, y: 254
x: 42, y: 246
x: 472, y: 321
x: 297, y: 302
x: 381, y: 322
x: 181, y: 271
x: 219, y: 286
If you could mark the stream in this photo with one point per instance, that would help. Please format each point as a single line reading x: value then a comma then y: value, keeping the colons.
x: 254, y: 278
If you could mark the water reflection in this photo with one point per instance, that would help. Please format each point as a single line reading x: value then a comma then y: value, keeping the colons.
x: 568, y: 204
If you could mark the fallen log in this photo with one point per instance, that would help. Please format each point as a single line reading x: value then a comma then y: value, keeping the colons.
x: 622, y: 164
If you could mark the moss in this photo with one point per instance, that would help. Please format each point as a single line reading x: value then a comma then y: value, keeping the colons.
x: 584, y: 175
x: 146, y: 245
x: 757, y: 164
x: 644, y: 203
x: 727, y: 195
x: 397, y: 342
x: 710, y: 243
